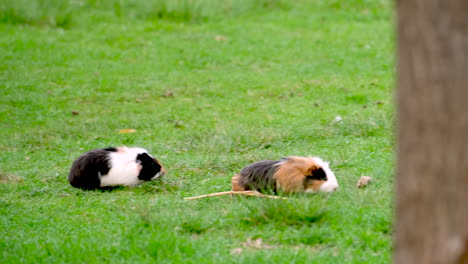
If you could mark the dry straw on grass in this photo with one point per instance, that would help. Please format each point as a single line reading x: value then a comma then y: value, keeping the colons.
x: 248, y: 193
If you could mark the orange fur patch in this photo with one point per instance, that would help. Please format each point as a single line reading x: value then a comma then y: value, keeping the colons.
x: 162, y: 171
x: 292, y: 173
x: 235, y: 183
x: 315, y: 186
x: 122, y: 149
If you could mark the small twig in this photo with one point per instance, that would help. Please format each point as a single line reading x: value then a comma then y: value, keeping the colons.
x: 249, y: 193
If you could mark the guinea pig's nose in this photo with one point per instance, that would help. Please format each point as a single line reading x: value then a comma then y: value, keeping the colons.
x: 334, y: 188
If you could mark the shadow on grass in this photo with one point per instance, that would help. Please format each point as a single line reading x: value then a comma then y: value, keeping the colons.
x: 156, y: 186
x: 297, y: 210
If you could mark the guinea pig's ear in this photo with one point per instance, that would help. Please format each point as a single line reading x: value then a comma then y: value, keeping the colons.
x: 317, y: 173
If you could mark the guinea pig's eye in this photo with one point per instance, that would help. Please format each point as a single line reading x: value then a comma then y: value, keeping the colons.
x: 323, y: 178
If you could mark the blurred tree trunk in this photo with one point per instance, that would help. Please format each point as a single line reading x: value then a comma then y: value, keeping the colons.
x: 432, y: 97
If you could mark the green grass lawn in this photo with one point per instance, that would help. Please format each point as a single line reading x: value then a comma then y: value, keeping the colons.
x: 209, y: 87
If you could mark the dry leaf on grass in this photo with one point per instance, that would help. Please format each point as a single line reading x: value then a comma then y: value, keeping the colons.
x: 236, y: 251
x: 363, y: 181
x: 221, y: 38
x: 257, y: 244
x: 127, y: 130
x: 168, y: 93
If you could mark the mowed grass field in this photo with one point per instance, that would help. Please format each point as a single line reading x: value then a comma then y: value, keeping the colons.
x: 209, y: 87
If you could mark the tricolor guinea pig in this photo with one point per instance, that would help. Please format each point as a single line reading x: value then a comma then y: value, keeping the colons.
x: 287, y: 175
x: 120, y: 166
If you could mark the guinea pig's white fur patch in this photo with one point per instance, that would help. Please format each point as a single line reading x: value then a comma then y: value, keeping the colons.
x: 124, y: 169
x: 331, y: 184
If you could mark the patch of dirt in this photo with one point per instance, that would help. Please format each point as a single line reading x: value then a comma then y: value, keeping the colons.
x: 6, y: 177
x: 258, y: 244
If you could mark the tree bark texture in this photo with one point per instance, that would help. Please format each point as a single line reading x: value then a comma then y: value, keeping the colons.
x: 432, y: 162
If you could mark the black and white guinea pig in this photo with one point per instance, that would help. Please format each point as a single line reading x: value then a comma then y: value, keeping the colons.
x: 287, y: 175
x: 121, y: 166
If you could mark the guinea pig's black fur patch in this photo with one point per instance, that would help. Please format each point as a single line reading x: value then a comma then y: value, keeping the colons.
x: 259, y: 176
x: 150, y: 167
x: 85, y: 170
x: 318, y: 174
x: 111, y: 149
